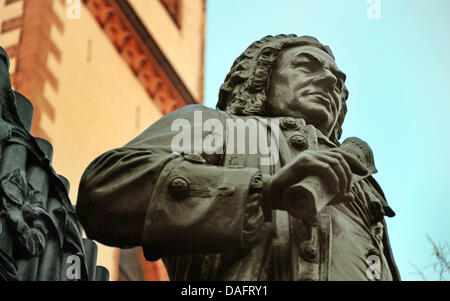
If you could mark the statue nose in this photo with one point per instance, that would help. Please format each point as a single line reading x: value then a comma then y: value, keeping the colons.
x: 326, y: 80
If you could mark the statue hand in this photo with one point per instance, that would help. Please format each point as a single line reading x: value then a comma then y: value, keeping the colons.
x: 329, y: 165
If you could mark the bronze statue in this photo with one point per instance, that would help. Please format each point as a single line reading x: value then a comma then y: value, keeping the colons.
x: 287, y: 202
x: 40, y: 236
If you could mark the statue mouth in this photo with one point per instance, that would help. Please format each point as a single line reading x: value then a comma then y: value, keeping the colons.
x: 320, y: 97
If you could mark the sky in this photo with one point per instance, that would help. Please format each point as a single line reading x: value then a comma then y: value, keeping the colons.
x: 396, y: 55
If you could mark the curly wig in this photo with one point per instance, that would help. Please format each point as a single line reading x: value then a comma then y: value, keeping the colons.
x: 244, y: 91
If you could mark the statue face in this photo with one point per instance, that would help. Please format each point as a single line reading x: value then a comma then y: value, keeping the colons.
x: 306, y: 83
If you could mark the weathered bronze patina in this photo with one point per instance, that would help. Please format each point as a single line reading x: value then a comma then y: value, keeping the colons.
x: 314, y: 213
x: 39, y: 231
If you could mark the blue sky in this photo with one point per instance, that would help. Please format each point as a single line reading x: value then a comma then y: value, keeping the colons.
x: 398, y: 75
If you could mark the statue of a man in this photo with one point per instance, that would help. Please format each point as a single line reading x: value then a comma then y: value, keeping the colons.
x: 215, y: 209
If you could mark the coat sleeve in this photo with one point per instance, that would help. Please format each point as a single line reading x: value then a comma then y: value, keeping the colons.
x: 170, y: 203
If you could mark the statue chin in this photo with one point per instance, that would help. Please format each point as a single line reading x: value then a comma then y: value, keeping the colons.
x: 318, y: 116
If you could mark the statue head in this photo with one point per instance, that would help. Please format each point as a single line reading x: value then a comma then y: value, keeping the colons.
x: 287, y: 75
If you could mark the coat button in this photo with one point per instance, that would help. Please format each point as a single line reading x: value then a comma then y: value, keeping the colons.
x: 179, y: 188
x: 289, y: 123
x: 299, y: 142
x: 308, y: 251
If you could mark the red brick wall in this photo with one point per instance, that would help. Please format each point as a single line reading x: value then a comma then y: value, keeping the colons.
x: 31, y: 54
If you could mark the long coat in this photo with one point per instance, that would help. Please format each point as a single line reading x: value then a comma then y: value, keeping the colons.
x: 202, y: 213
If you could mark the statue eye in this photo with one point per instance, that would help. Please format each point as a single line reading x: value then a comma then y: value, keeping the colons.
x: 307, y: 66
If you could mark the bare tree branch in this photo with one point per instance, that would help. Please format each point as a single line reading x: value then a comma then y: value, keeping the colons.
x: 441, y: 266
x: 418, y: 272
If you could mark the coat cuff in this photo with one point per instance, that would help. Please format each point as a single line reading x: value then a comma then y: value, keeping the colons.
x: 197, y: 208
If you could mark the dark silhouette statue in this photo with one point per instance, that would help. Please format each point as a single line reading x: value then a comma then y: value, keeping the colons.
x: 40, y: 235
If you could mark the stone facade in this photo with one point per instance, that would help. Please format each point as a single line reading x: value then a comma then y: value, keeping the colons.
x: 110, y: 73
